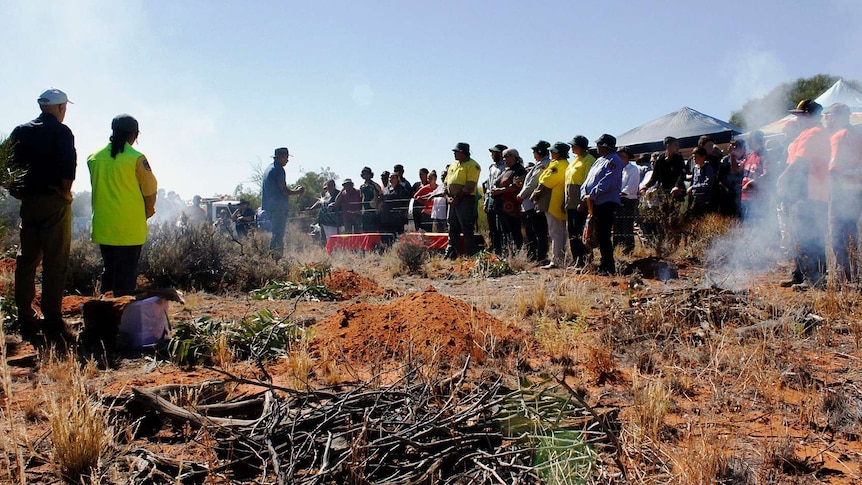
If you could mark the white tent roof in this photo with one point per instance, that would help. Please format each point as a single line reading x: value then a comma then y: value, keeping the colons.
x: 682, y: 123
x: 841, y: 92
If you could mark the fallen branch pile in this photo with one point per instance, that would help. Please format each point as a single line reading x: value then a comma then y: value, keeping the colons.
x: 409, y: 432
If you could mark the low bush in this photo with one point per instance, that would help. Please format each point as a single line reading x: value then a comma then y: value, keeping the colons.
x: 411, y: 251
x: 85, y: 267
x: 201, y: 258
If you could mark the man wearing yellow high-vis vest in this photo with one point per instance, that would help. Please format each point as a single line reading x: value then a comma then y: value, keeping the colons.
x: 124, y: 197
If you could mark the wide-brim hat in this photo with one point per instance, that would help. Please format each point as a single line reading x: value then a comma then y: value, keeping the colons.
x: 280, y: 152
x: 607, y: 141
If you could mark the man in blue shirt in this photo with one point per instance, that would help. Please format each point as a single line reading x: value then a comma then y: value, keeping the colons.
x: 44, y: 150
x: 602, y: 189
x: 274, y: 198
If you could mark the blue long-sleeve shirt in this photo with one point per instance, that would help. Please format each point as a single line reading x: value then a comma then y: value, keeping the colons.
x: 604, y: 180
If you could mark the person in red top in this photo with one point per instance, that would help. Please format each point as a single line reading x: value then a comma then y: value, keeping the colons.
x: 753, y: 170
x: 845, y: 204
x: 804, y: 187
x: 424, y: 201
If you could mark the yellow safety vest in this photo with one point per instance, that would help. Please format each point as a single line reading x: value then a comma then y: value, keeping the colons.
x: 119, y: 216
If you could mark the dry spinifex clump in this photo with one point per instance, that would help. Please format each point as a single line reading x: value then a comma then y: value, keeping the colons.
x: 80, y: 432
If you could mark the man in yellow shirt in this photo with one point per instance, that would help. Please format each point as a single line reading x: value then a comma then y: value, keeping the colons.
x: 461, y: 180
x: 576, y: 174
x: 550, y: 198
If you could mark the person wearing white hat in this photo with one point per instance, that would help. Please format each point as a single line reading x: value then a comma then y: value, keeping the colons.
x: 44, y: 149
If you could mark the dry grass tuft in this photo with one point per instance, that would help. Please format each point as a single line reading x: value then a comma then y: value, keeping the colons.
x: 79, y: 425
x: 703, y: 460
x: 300, y: 364
x: 531, y: 302
x: 601, y: 363
x: 652, y: 401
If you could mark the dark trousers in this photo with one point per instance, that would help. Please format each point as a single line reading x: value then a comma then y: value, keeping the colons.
x: 494, y: 231
x: 462, y: 219
x: 536, y: 229
x: 575, y: 227
x: 510, y: 232
x: 46, y: 236
x: 425, y: 222
x: 603, y: 215
x: 370, y: 221
x: 808, y: 219
x: 845, y: 209
x: 279, y: 223
x: 624, y: 224
x: 121, y: 268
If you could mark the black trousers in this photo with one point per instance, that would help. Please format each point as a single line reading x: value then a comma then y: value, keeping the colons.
x: 603, y: 214
x: 121, y: 269
x: 536, y: 229
x: 575, y: 228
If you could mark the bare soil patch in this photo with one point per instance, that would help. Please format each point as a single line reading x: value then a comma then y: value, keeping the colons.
x: 426, y: 324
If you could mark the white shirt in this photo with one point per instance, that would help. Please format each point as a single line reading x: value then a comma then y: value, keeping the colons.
x: 631, y: 179
x: 439, y: 209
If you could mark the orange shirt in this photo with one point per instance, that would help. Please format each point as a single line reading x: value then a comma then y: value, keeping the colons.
x: 846, y: 160
x: 813, y: 146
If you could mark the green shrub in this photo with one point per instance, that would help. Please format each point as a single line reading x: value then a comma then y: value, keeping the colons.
x: 411, y: 251
x: 201, y: 258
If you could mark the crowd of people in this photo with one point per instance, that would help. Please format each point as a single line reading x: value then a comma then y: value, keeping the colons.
x: 570, y: 198
x: 562, y: 204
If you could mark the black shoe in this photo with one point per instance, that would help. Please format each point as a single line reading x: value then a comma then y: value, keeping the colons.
x: 29, y: 329
x: 56, y: 330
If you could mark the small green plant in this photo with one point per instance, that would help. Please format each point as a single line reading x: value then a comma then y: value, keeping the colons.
x: 554, y: 426
x: 315, y: 273
x: 490, y: 266
x: 284, y: 290
x: 262, y: 336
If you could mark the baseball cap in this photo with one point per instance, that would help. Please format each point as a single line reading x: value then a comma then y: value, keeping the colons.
x: 125, y: 123
x: 53, y: 96
x: 280, y: 152
x: 807, y: 107
x: 498, y: 148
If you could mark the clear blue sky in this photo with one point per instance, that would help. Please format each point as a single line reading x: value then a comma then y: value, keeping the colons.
x: 217, y: 85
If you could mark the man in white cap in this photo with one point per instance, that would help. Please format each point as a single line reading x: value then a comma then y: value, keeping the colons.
x: 44, y: 150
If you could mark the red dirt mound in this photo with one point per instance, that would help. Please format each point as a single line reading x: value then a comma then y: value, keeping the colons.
x: 425, y: 324
x: 351, y: 284
x: 72, y: 304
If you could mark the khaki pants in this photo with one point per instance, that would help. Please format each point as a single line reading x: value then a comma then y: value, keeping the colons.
x: 46, y: 235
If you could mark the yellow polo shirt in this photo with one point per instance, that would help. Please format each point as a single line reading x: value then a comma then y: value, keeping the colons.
x: 576, y: 172
x: 463, y: 173
x: 554, y: 178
